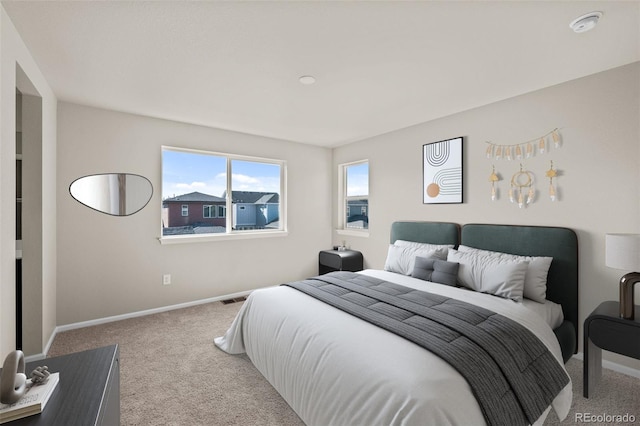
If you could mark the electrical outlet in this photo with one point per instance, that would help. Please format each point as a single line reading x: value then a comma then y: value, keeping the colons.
x: 166, y: 279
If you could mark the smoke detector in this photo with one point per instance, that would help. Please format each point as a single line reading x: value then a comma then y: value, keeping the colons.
x: 307, y: 79
x: 585, y: 22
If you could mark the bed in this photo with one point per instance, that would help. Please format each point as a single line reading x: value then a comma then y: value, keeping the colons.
x: 335, y: 369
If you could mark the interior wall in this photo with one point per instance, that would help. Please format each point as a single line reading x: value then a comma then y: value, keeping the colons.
x: 598, y: 165
x: 114, y: 265
x: 32, y: 288
x: 18, y: 69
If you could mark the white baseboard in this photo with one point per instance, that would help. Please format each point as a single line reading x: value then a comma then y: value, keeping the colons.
x: 613, y: 366
x: 73, y: 326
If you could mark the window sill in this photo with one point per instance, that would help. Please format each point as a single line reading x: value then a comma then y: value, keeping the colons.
x: 238, y: 235
x: 353, y: 232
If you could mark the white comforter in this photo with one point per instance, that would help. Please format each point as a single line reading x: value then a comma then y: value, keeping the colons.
x: 335, y: 369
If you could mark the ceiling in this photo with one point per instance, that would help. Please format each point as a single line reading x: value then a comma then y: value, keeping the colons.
x: 379, y: 65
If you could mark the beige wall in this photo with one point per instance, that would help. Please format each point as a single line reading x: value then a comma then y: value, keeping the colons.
x: 114, y: 265
x: 598, y: 162
x: 17, y: 68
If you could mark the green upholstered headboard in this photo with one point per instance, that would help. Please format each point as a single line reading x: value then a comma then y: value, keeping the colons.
x: 559, y: 243
x: 426, y: 232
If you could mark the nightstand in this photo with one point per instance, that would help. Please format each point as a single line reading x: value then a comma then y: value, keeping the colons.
x: 604, y: 329
x: 339, y: 260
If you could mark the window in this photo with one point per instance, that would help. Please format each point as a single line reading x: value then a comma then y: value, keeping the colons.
x: 237, y: 194
x: 355, y: 195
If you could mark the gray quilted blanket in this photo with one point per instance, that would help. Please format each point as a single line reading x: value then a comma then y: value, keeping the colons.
x: 512, y: 374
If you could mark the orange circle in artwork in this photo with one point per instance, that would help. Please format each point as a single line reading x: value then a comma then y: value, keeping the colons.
x: 433, y: 190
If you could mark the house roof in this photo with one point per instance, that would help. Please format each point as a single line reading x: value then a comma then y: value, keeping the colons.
x: 195, y: 197
x: 253, y: 197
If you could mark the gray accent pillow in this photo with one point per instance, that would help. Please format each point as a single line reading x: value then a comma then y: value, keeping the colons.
x: 436, y: 270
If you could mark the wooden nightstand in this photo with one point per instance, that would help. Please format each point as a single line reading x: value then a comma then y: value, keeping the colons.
x: 604, y: 329
x: 339, y: 260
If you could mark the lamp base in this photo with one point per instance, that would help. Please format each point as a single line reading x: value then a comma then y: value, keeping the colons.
x: 626, y: 294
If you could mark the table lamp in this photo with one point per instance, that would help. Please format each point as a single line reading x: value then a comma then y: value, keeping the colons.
x: 623, y: 252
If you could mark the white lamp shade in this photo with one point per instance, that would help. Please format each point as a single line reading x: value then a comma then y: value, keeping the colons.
x: 623, y: 251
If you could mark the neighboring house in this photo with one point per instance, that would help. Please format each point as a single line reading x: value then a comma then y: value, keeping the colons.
x: 254, y: 210
x: 251, y: 210
x: 194, y: 209
x: 358, y: 211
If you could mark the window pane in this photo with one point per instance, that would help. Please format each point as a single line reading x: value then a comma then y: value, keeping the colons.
x: 191, y: 181
x: 358, y: 180
x: 357, y: 213
x: 357, y: 196
x: 255, y: 195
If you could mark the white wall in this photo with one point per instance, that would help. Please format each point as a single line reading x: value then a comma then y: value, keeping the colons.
x: 114, y: 265
x: 14, y: 55
x: 598, y: 162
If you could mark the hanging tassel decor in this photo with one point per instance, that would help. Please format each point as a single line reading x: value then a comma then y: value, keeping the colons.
x: 522, y: 182
x: 493, y: 178
x: 542, y: 145
x: 551, y: 173
x: 556, y: 138
x: 525, y: 149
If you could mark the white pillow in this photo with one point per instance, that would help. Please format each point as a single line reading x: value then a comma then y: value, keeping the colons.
x: 550, y: 311
x: 402, y: 259
x: 487, y: 274
x: 535, y: 281
x: 444, y: 247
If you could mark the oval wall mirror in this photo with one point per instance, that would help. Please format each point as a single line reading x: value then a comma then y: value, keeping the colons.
x: 117, y: 194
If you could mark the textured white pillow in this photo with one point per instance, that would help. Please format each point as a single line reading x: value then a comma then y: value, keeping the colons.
x: 488, y: 274
x: 402, y: 259
x: 442, y: 248
x: 535, y: 281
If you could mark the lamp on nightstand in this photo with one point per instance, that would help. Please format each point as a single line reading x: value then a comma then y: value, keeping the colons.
x: 623, y: 252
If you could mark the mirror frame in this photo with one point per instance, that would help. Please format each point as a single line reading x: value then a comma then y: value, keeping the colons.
x: 122, y: 200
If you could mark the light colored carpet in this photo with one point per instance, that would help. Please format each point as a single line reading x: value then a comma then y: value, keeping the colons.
x: 172, y: 374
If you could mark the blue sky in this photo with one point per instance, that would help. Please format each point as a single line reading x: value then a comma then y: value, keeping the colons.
x: 358, y: 179
x: 185, y: 172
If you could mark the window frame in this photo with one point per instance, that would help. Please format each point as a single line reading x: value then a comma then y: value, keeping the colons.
x: 343, y: 207
x: 184, y: 210
x: 230, y: 232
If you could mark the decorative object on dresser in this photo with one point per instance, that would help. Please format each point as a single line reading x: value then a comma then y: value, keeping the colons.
x: 339, y: 260
x: 33, y: 401
x: 605, y: 329
x: 442, y: 172
x: 623, y: 252
x: 13, y: 380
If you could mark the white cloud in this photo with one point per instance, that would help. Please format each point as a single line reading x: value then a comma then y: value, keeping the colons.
x: 217, y: 186
x: 192, y: 185
x: 173, y: 189
x: 244, y: 179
